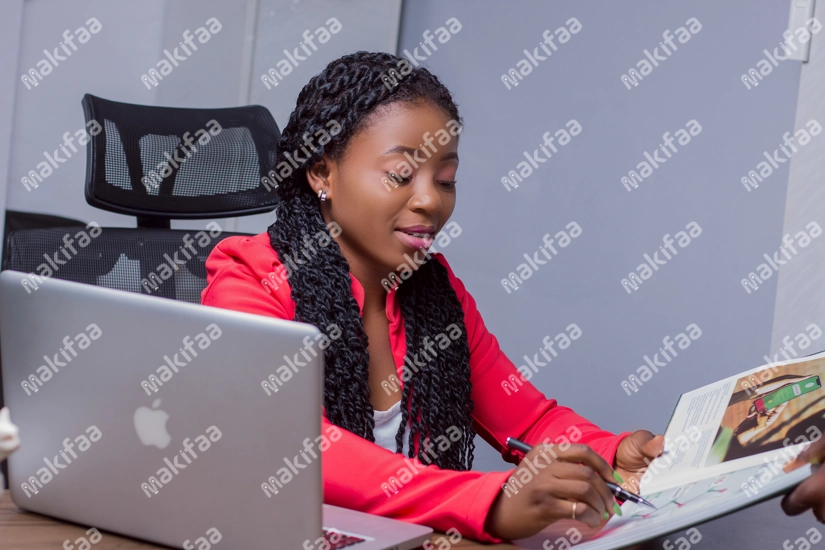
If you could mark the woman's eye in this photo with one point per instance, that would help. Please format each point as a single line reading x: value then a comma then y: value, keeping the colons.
x: 398, y: 179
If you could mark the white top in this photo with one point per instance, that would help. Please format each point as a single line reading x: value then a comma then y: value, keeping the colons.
x: 386, y: 426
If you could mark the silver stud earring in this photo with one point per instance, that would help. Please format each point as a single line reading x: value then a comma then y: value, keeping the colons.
x: 322, y: 195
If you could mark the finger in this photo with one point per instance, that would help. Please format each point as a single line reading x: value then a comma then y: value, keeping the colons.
x: 588, y: 457
x: 588, y: 486
x: 632, y: 480
x: 795, y: 463
x: 654, y: 446
x: 819, y: 512
x: 812, y: 454
x: 562, y: 508
x: 587, y: 516
x: 810, y: 451
x: 800, y: 499
x: 642, y: 436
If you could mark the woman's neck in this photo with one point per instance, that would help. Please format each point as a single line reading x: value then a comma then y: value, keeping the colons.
x: 369, y: 275
x: 375, y: 295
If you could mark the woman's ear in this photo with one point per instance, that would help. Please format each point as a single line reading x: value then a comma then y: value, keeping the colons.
x: 319, y: 176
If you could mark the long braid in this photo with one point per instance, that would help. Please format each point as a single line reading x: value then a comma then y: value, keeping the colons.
x: 347, y: 91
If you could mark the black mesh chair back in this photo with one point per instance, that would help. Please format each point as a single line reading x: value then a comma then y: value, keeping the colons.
x: 158, y: 163
x: 158, y: 262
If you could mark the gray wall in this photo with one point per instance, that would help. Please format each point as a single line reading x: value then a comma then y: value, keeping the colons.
x: 223, y: 72
x: 10, y: 23
x: 701, y: 183
x: 581, y: 183
x: 800, y: 299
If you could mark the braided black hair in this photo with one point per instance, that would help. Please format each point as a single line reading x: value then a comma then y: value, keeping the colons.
x: 348, y: 90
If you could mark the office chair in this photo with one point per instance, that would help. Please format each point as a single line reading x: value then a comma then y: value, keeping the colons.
x: 156, y: 163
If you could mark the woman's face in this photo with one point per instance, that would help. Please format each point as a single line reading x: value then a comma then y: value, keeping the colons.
x: 389, y: 204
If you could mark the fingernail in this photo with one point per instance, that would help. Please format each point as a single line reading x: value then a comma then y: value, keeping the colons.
x: 815, y: 460
x: 794, y: 464
x: 617, y: 477
x: 617, y: 509
x: 605, y: 516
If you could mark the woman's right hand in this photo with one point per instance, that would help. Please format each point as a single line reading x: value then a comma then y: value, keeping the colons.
x: 576, y: 475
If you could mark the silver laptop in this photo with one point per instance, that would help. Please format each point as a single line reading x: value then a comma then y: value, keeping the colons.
x: 159, y: 420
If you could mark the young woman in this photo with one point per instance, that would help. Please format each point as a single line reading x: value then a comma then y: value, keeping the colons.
x: 377, y: 144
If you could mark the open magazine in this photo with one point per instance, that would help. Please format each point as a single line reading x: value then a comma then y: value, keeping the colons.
x: 725, y: 448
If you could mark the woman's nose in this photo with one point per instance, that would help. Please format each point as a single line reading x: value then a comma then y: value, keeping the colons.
x: 425, y: 196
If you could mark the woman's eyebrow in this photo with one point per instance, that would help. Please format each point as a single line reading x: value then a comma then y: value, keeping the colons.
x: 404, y: 149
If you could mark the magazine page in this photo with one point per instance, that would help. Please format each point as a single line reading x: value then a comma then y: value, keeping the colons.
x: 694, y: 503
x: 741, y: 421
x: 676, y: 509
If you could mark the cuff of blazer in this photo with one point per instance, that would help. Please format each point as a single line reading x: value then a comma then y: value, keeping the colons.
x: 483, y: 501
x: 607, y: 447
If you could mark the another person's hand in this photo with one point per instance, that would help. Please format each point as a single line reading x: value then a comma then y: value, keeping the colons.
x: 634, y: 454
x: 574, y: 478
x: 811, y: 492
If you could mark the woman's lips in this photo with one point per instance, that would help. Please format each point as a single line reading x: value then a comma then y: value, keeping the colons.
x: 415, y: 243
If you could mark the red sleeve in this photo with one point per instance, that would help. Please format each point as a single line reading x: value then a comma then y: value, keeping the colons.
x: 441, y: 499
x: 526, y: 414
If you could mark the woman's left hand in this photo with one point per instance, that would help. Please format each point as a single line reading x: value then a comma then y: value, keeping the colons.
x: 634, y: 454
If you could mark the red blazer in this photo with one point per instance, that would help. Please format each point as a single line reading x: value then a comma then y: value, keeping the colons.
x: 441, y: 499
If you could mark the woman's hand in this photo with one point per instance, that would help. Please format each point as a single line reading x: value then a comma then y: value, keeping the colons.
x: 634, y: 454
x: 811, y: 492
x: 564, y: 477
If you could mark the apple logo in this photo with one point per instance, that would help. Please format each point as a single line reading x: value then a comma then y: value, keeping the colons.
x: 150, y: 425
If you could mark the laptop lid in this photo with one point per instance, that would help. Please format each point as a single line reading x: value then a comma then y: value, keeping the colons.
x: 159, y: 419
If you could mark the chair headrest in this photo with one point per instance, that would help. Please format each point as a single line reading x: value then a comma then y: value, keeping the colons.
x: 179, y: 163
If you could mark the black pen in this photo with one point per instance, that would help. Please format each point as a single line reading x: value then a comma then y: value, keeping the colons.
x: 519, y: 445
